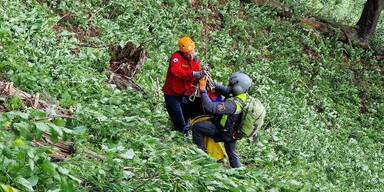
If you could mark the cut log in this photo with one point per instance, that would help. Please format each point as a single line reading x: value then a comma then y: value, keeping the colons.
x: 125, y: 63
x: 127, y: 60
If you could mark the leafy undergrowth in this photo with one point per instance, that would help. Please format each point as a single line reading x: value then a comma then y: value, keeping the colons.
x: 324, y: 98
x: 345, y: 12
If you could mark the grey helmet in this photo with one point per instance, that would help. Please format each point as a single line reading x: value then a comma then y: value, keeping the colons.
x: 239, y: 83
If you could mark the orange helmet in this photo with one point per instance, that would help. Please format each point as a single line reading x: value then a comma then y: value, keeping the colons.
x: 186, y: 45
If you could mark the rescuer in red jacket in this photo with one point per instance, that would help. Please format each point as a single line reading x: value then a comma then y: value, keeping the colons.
x: 183, y: 75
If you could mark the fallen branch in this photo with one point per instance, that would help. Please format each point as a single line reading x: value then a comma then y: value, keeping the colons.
x: 62, y: 150
x: 380, y: 57
x: 8, y: 90
x: 146, y: 180
x: 344, y: 33
x: 123, y: 82
x: 93, y: 155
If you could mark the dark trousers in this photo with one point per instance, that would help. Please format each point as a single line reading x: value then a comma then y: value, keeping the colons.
x: 211, y: 130
x: 173, y: 104
x: 180, y: 109
x: 192, y: 109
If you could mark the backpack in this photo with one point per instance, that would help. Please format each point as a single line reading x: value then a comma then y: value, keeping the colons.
x: 252, y: 118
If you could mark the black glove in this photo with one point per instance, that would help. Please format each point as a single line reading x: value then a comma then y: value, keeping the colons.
x: 199, y: 74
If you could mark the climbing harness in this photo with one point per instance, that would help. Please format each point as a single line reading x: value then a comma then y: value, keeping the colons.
x: 216, y: 150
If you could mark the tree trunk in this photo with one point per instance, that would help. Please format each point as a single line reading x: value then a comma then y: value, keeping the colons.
x: 369, y: 18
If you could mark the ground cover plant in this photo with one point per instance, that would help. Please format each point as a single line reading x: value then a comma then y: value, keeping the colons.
x: 325, y: 98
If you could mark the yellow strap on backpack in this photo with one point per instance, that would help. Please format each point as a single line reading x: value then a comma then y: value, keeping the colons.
x: 214, y: 149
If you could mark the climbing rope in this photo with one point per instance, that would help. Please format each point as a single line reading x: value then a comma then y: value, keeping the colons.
x: 211, y: 85
x: 205, y: 26
x: 210, y: 82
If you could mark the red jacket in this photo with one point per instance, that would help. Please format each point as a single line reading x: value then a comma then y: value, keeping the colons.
x: 179, y: 79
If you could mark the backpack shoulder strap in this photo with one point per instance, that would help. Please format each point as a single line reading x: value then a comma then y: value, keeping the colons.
x: 242, y: 99
x: 240, y: 103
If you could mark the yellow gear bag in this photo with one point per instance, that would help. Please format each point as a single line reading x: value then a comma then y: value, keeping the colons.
x: 214, y: 149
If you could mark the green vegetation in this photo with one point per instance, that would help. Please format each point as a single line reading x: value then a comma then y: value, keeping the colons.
x: 325, y: 99
x: 340, y: 11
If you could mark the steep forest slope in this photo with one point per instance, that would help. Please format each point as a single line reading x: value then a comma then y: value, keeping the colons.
x: 325, y: 98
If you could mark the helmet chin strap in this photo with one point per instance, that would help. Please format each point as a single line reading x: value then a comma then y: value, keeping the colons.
x: 188, y: 56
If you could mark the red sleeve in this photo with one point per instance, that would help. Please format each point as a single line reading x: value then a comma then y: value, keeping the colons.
x: 177, y: 70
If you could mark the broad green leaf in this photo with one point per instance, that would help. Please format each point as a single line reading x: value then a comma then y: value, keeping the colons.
x: 66, y: 100
x: 67, y: 131
x: 129, y: 154
x: 31, y: 164
x: 31, y: 153
x: 128, y: 174
x: 63, y: 171
x: 48, y: 167
x: 54, y: 136
x: 59, y: 122
x: 56, y: 129
x: 13, y: 114
x: 101, y: 117
x: 33, y: 180
x: 66, y: 186
x: 74, y: 178
x: 23, y: 125
x: 19, y: 142
x: 7, y: 188
x: 37, y: 114
x: 42, y: 126
x: 24, y: 129
x: 79, y: 130
x: 25, y: 183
